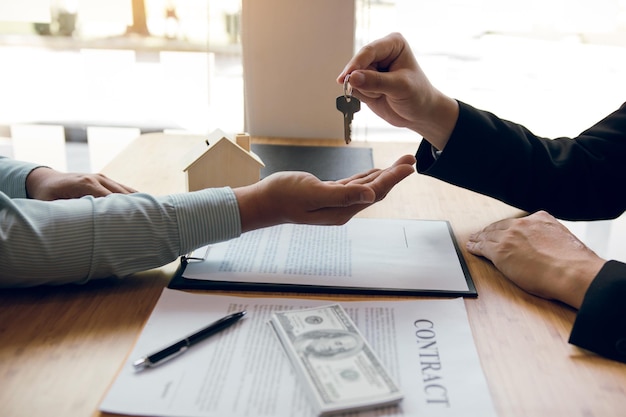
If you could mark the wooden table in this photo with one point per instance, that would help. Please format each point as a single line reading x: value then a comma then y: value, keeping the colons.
x: 61, y: 347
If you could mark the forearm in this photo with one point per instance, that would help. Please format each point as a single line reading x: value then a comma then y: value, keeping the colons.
x: 77, y: 240
x: 570, y: 178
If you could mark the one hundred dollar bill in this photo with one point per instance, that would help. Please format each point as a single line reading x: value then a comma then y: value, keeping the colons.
x: 335, y: 364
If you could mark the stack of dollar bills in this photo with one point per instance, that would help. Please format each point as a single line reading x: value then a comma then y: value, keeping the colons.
x: 334, y: 363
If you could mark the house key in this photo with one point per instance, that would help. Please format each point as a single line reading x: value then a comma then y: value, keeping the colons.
x: 348, y: 105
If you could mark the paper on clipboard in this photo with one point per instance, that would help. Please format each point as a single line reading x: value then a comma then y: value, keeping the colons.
x: 369, y: 255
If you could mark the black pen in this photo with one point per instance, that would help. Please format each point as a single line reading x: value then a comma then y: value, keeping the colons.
x: 182, y: 345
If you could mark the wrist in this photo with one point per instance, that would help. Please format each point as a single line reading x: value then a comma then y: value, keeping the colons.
x: 439, y: 121
x: 577, y: 280
x: 252, y: 211
x: 35, y: 180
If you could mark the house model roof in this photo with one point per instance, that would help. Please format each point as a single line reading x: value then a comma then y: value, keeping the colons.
x: 222, y: 163
x: 220, y: 144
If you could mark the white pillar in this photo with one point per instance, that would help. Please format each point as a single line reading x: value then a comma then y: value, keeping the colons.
x: 292, y: 53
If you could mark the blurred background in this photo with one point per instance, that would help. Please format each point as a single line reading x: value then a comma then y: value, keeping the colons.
x: 107, y: 70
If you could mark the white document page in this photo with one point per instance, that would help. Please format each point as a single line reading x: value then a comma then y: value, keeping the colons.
x: 367, y: 253
x: 426, y: 345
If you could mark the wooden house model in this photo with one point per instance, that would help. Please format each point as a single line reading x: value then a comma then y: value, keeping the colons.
x: 222, y: 162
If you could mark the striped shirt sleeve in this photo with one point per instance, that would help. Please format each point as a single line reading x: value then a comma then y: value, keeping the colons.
x: 77, y: 240
x: 13, y: 176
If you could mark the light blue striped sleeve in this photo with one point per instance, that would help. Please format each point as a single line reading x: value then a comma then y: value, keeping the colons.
x: 81, y: 239
x: 13, y: 176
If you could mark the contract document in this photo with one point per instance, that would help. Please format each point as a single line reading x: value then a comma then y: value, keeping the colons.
x: 426, y: 345
x: 365, y: 255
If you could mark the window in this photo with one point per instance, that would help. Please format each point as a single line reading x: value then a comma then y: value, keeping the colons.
x: 158, y: 64
x: 556, y: 66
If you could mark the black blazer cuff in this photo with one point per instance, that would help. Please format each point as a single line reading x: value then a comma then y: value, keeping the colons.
x: 600, y: 325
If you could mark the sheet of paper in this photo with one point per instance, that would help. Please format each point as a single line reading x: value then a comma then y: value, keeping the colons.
x: 426, y: 345
x: 368, y: 253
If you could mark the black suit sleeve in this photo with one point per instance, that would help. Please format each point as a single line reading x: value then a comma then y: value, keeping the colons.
x: 600, y: 325
x: 572, y: 178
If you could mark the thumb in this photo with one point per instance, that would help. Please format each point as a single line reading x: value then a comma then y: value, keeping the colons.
x: 347, y: 195
x: 376, y: 82
x: 357, y: 194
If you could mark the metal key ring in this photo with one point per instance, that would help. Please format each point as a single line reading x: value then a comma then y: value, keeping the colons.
x: 347, y: 88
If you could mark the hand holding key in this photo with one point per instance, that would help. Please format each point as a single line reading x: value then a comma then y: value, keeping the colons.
x: 385, y: 75
x: 348, y: 105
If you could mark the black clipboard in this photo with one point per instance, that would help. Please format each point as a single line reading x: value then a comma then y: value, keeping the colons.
x: 179, y: 281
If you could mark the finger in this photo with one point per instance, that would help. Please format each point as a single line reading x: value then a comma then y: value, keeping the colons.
x: 369, y: 85
x: 405, y: 159
x: 377, y: 55
x: 99, y: 190
x: 359, y: 178
x: 371, y: 175
x: 481, y: 244
x: 365, y: 178
x: 487, y: 233
x: 499, y: 225
x: 389, y: 178
x: 114, y: 186
x: 366, y: 97
x: 332, y: 215
x: 335, y: 195
x: 487, y: 241
x: 383, y: 181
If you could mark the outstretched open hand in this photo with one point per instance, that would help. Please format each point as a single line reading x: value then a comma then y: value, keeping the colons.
x: 300, y: 197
